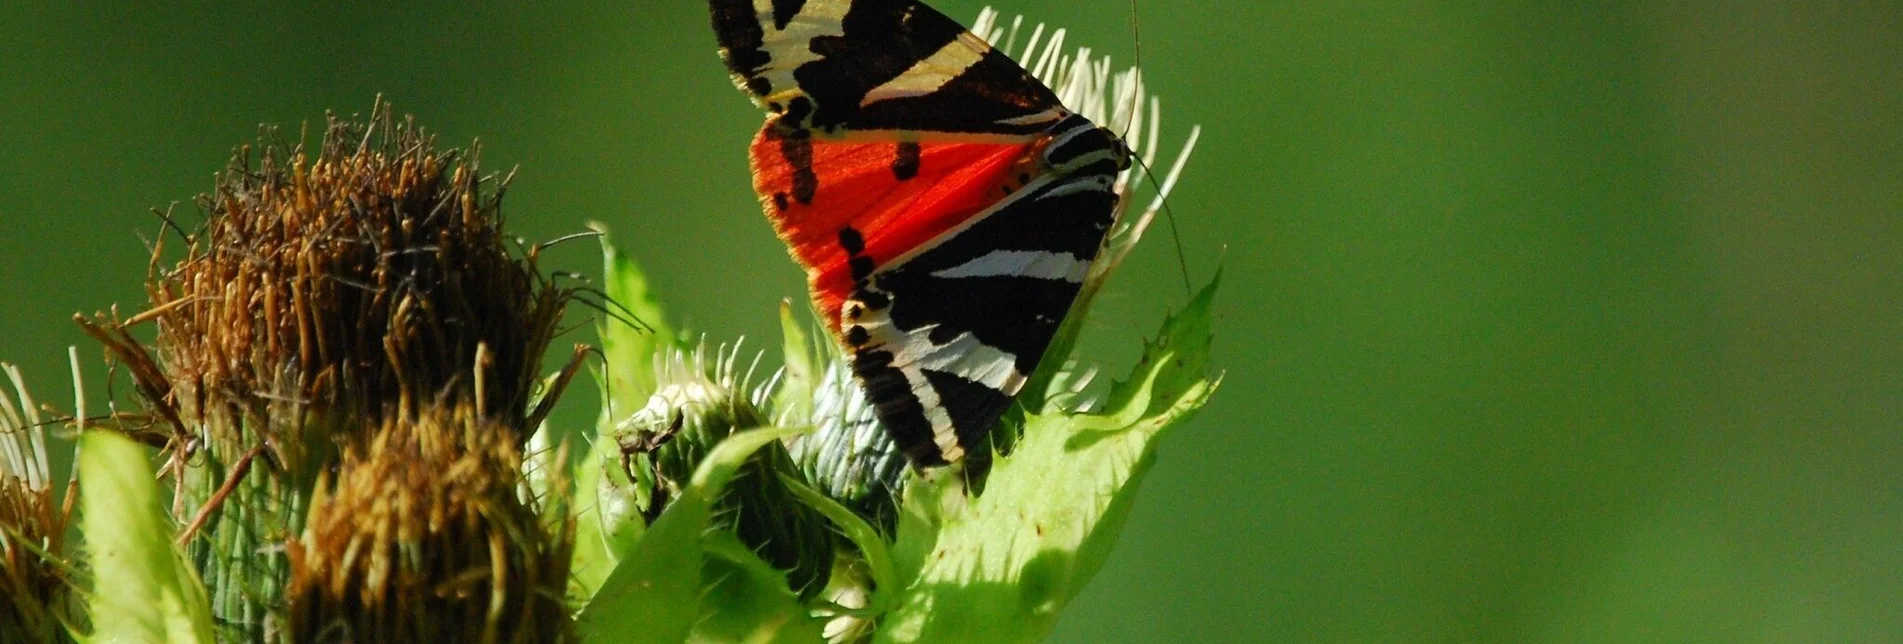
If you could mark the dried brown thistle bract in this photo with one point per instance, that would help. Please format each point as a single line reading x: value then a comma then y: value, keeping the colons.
x: 422, y: 536
x: 367, y: 277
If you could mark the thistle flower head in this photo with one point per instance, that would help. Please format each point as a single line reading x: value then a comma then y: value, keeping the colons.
x: 702, y: 398
x: 366, y: 277
x: 423, y: 535
x: 848, y: 455
x: 335, y: 296
x: 699, y: 399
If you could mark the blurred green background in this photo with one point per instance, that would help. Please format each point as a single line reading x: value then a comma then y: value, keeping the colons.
x: 1542, y: 322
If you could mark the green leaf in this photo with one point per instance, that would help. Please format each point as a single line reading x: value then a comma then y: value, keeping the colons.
x: 1180, y: 354
x: 1002, y: 566
x: 545, y: 470
x: 726, y: 458
x: 143, y: 588
x: 746, y: 598
x: 606, y: 525
x: 538, y: 463
x: 654, y: 593
x: 652, y: 596
x: 793, y: 403
x: 871, y: 544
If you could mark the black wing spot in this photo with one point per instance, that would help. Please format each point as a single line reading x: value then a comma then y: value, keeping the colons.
x: 780, y: 202
x: 905, y: 165
x: 943, y: 334
x: 852, y: 241
x: 857, y: 336
x: 861, y: 267
x: 742, y: 39
x: 873, y: 299
x: 759, y: 86
x: 797, y: 111
x: 797, y: 147
x: 805, y: 185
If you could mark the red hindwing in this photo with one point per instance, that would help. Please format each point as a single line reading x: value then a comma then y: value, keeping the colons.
x: 857, y: 187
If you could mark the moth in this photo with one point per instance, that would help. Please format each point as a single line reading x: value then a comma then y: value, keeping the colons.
x: 945, y: 206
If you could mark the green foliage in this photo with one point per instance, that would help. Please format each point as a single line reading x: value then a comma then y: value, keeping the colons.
x: 873, y: 550
x: 746, y: 599
x: 962, y: 566
x: 1001, y: 565
x: 654, y: 593
x: 793, y: 403
x: 146, y: 590
x: 632, y: 335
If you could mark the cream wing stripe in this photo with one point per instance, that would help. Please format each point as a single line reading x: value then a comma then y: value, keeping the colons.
x: 787, y: 48
x: 1021, y: 263
x: 927, y: 75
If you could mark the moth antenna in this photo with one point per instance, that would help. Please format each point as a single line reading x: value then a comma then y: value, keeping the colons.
x: 1136, y: 104
x: 540, y: 246
x: 1182, y: 263
x: 1136, y: 80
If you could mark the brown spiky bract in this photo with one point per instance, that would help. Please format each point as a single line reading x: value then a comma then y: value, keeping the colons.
x: 33, y: 588
x: 365, y: 281
x: 36, y: 602
x: 328, y: 293
x: 423, y: 537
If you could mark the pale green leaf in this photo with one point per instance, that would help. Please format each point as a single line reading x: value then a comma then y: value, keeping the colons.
x: 715, y: 471
x: 793, y: 403
x: 636, y: 329
x: 607, y: 525
x: 1001, y: 567
x: 653, y: 594
x: 746, y: 598
x: 143, y: 588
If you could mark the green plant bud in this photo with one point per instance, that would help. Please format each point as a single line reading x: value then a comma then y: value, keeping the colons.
x: 848, y: 456
x: 693, y: 409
